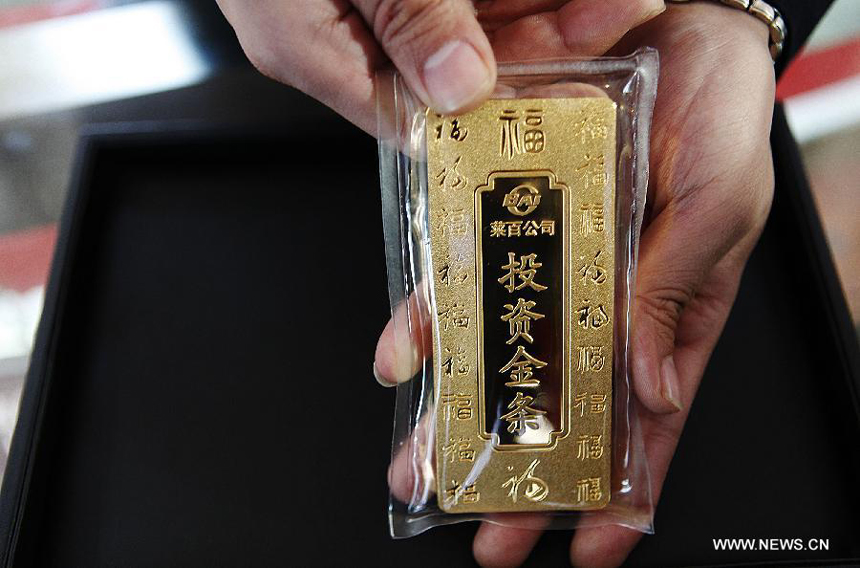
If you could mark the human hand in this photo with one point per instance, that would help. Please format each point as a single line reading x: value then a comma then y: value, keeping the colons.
x: 331, y: 49
x: 710, y: 192
x: 711, y: 172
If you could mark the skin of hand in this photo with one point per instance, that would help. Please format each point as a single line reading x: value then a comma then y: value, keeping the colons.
x: 711, y: 180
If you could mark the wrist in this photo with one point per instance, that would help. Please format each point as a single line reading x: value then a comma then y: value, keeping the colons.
x: 712, y: 25
x: 753, y: 21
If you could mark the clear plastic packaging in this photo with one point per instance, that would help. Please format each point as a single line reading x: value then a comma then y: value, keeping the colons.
x: 511, y: 236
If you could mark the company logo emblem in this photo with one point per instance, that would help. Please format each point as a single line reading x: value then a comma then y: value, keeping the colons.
x: 522, y: 200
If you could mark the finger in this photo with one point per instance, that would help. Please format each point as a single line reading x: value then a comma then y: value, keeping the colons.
x: 682, y: 245
x: 579, y: 27
x: 493, y: 13
x: 605, y: 543
x: 502, y: 545
x: 560, y: 90
x: 698, y: 330
x: 410, y: 475
x: 338, y: 70
x: 404, y: 343
x: 599, y: 547
x: 438, y: 46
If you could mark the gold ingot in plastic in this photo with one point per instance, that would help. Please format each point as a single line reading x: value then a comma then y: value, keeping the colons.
x: 521, y: 204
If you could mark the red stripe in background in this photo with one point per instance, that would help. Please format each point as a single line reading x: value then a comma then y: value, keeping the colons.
x: 25, y: 257
x: 815, y: 69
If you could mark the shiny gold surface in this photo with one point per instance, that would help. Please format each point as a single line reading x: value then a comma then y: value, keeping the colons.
x: 522, y: 215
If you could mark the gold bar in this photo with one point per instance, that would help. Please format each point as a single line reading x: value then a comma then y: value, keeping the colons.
x: 522, y: 215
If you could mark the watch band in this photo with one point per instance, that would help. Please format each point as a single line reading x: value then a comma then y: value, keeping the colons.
x: 767, y: 14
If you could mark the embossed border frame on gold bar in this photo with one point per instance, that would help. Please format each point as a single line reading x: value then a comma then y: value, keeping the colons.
x: 554, y: 474
x: 564, y: 428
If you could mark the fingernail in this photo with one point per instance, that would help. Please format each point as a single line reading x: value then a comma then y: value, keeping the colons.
x: 669, y: 382
x: 454, y: 76
x: 406, y: 359
x: 379, y: 378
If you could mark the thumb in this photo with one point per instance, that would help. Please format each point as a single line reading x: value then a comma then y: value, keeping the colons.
x: 439, y: 48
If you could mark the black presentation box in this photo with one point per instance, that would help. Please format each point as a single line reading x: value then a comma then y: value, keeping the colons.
x: 201, y: 392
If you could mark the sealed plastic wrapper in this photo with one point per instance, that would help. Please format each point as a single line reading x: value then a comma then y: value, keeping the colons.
x: 511, y: 235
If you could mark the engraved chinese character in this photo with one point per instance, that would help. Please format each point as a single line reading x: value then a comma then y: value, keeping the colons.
x: 457, y: 405
x: 452, y: 222
x: 591, y: 219
x: 536, y: 489
x: 531, y: 228
x: 579, y: 402
x: 515, y: 140
x: 457, y: 133
x: 521, y: 274
x: 462, y: 362
x: 590, y: 128
x: 448, y: 364
x: 455, y: 361
x: 588, y: 489
x: 519, y: 320
x: 453, y: 272
x: 444, y: 314
x: 445, y: 274
x: 459, y: 318
x: 453, y: 316
x: 597, y: 403
x: 498, y: 229
x: 593, y: 170
x: 589, y: 447
x: 456, y: 492
x: 593, y: 271
x: 522, y: 416
x: 522, y: 367
x: 458, y: 450
x: 518, y: 228
x: 591, y: 358
x: 470, y: 494
x: 533, y: 141
x: 510, y: 134
x: 534, y: 138
x: 592, y: 317
x: 449, y: 178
